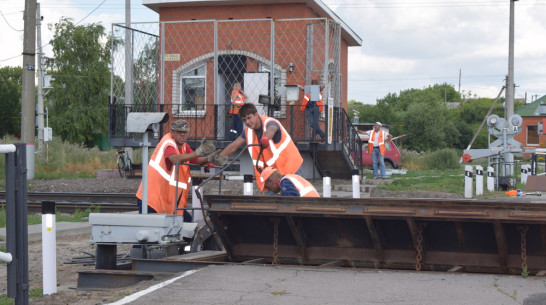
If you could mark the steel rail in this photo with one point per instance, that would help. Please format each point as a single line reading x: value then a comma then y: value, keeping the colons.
x: 68, y: 202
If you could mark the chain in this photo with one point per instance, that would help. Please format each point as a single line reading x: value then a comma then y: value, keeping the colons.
x: 419, y: 256
x: 523, y: 232
x: 275, y: 221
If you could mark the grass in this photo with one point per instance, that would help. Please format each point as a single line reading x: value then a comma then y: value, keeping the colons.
x: 33, y: 219
x: 32, y: 294
x: 63, y: 160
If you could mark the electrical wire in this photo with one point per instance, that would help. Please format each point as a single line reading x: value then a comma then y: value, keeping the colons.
x: 8, y: 23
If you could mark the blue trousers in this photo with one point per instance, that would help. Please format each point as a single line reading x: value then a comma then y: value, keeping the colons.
x: 376, y: 156
x: 312, y: 116
x: 237, y: 127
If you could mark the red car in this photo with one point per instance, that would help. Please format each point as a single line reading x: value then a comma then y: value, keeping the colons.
x: 393, y: 158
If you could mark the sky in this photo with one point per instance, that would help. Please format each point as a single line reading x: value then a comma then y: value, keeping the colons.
x: 406, y: 44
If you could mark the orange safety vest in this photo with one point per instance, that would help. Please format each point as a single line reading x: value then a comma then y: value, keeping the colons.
x: 380, y: 141
x: 162, y: 183
x: 305, y: 188
x: 283, y: 156
x: 239, y: 101
x: 306, y: 99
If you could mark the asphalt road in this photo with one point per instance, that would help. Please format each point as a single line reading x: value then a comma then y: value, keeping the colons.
x: 239, y: 284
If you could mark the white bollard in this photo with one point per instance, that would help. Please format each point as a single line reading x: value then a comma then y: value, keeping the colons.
x: 468, y: 181
x: 248, y: 186
x: 49, y: 245
x: 490, y: 179
x: 195, y: 202
x: 524, y: 173
x: 356, y: 184
x: 479, y: 180
x: 326, y: 185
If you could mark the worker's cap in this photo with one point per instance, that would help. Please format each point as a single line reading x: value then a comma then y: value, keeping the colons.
x: 378, y: 123
x: 180, y: 125
x: 266, y: 173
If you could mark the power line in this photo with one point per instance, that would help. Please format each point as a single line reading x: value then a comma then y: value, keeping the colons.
x: 8, y: 23
x: 1, y: 60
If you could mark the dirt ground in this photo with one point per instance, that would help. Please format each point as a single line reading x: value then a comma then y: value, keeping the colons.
x: 71, y: 251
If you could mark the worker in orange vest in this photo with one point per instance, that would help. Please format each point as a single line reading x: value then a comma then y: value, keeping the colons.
x: 271, y: 139
x: 312, y: 111
x: 288, y: 185
x: 376, y: 146
x: 162, y: 182
x: 238, y: 98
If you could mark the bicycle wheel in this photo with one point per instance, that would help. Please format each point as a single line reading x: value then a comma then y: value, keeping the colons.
x: 121, y: 167
x: 130, y: 168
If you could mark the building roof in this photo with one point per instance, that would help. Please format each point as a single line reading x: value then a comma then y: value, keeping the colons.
x: 316, y: 5
x: 534, y: 109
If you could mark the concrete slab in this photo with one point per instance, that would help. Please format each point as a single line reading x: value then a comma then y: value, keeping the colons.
x: 239, y: 284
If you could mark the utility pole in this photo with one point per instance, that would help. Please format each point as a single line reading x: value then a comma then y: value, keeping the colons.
x: 509, y: 102
x: 459, y: 91
x: 128, y: 55
x: 40, y: 106
x: 28, y: 93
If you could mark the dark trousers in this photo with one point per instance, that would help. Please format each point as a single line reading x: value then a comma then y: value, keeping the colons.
x: 312, y: 116
x: 237, y: 127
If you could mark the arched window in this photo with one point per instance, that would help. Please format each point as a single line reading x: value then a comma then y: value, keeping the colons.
x: 193, y: 87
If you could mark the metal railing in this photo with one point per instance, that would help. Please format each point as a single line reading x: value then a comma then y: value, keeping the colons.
x: 16, y: 221
x: 215, y: 123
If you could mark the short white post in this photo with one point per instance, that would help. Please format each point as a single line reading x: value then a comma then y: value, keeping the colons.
x: 479, y: 180
x: 490, y: 179
x: 356, y: 184
x: 248, y: 185
x: 49, y: 244
x: 468, y: 181
x: 326, y: 184
x: 524, y: 173
x: 195, y: 202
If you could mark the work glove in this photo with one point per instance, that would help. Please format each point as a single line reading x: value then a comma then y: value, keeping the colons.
x: 207, y: 168
x: 206, y: 148
x: 264, y: 142
x: 217, y: 159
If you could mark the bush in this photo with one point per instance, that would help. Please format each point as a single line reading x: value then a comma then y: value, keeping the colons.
x: 445, y: 158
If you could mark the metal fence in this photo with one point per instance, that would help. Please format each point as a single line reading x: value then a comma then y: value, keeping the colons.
x: 191, y: 67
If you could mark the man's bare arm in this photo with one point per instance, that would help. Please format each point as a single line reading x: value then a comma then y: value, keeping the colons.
x: 233, y: 146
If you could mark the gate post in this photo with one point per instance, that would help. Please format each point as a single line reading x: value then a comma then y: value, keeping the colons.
x: 479, y: 180
x: 468, y: 181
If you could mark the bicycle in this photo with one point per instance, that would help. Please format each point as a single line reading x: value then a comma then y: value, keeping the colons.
x: 125, y: 167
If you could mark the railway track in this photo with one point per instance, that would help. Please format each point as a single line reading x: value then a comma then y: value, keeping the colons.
x: 69, y: 202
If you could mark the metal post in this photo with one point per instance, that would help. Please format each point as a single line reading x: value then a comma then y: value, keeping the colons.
x: 145, y: 145
x: 326, y: 185
x: 468, y: 181
x: 21, y: 225
x: 272, y: 71
x: 49, y: 243
x: 479, y: 180
x: 356, y: 183
x: 490, y: 179
x: 248, y: 186
x: 40, y: 105
x: 11, y: 228
x: 195, y: 202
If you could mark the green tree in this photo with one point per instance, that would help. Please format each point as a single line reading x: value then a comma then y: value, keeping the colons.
x: 78, y: 101
x: 10, y: 100
x: 425, y: 123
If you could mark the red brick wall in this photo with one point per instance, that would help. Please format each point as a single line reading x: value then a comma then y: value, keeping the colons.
x: 522, y: 136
